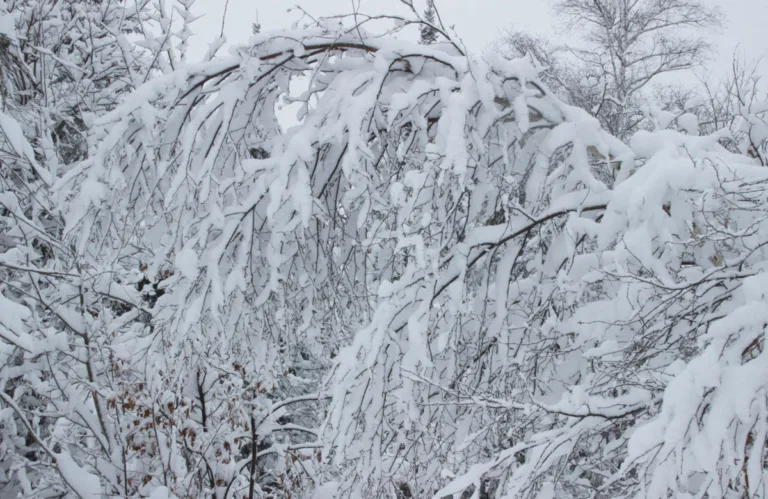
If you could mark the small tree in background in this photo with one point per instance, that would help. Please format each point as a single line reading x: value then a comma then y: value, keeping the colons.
x: 628, y: 43
x: 428, y: 32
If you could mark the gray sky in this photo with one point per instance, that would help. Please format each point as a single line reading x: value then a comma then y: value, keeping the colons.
x: 478, y: 22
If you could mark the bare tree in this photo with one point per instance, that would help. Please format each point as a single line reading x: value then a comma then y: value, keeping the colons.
x: 627, y: 44
x: 634, y: 41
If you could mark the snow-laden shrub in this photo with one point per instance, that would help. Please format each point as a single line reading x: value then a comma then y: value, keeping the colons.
x: 420, y: 288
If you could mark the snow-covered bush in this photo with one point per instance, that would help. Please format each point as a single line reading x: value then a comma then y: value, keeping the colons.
x: 63, y: 65
x: 419, y: 289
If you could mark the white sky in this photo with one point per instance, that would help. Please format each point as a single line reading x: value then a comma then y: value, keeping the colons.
x: 478, y: 22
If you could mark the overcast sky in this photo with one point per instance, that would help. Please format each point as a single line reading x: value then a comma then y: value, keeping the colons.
x: 478, y: 22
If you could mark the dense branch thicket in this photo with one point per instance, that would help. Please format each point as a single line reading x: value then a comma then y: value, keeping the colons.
x: 423, y: 288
